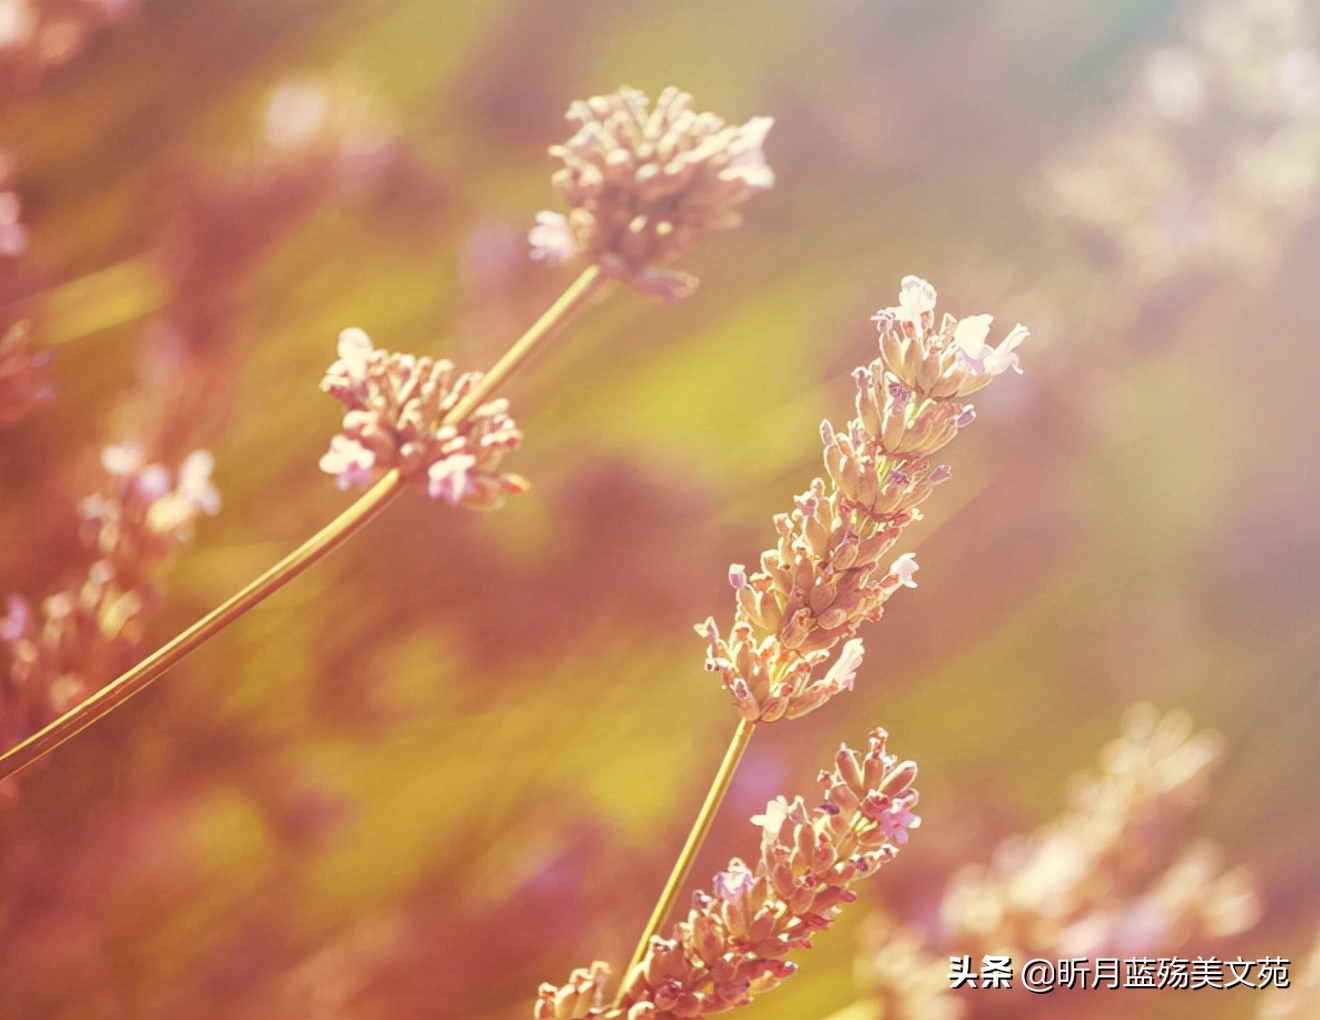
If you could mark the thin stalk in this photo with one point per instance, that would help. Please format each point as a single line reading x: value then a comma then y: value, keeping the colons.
x: 719, y: 786
x: 579, y: 292
x: 115, y: 693
x: 316, y: 548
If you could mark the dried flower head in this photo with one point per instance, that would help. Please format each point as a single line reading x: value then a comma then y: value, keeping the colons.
x: 83, y: 636
x: 733, y: 943
x: 397, y: 404
x: 24, y: 374
x: 643, y: 181
x: 824, y: 578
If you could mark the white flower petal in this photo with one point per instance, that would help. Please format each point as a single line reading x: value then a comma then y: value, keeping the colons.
x: 969, y: 335
x: 122, y: 458
x: 844, y: 671
x: 915, y: 298
x: 904, y: 567
x: 354, y: 348
x: 552, y: 238
x: 1003, y: 357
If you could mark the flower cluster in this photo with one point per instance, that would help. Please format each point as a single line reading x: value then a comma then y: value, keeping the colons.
x: 733, y: 943
x: 643, y: 181
x: 1210, y: 163
x: 1115, y: 876
x: 824, y: 578
x: 397, y: 418
x: 84, y: 636
x: 24, y: 373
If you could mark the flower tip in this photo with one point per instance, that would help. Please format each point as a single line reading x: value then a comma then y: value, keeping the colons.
x: 354, y: 349
x: 757, y: 128
x: 917, y: 287
x: 353, y: 340
x: 970, y: 333
x: 732, y: 885
x: 903, y: 568
x: 122, y: 458
x: 1006, y: 355
x: 451, y: 479
x: 916, y: 301
x: 843, y: 673
x: 195, y: 482
x: 552, y: 238
x: 707, y: 629
x: 199, y: 463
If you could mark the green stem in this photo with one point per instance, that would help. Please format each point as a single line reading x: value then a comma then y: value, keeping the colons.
x: 320, y: 545
x: 719, y: 786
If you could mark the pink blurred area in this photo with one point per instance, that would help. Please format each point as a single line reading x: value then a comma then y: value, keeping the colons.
x: 458, y: 758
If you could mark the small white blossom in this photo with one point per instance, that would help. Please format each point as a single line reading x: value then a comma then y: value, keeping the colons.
x: 903, y: 568
x: 552, y: 238
x: 195, y: 482
x: 776, y: 813
x: 122, y: 459
x: 844, y: 671
x: 354, y: 349
x: 916, y: 298
x: 451, y: 478
x: 349, y: 461
x: 978, y: 356
x: 732, y: 885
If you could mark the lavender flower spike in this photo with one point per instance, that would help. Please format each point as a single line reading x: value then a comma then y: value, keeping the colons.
x: 823, y: 579
x: 642, y: 182
x: 731, y: 946
x: 396, y: 408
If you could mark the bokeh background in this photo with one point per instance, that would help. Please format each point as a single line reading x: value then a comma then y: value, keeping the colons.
x: 457, y: 759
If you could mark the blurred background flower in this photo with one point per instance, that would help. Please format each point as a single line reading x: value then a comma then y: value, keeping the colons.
x: 459, y: 757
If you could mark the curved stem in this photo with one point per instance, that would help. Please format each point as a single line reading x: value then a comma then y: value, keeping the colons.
x: 115, y: 693
x: 325, y: 541
x: 579, y: 292
x: 719, y: 786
